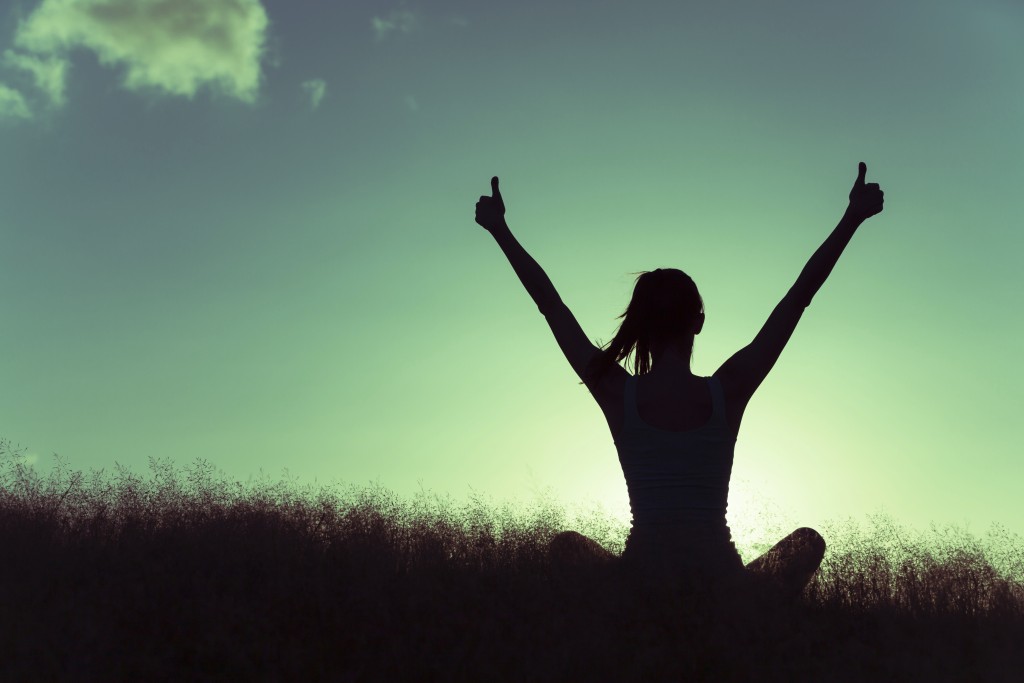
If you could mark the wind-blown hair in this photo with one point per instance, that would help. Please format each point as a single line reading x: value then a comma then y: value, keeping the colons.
x: 662, y: 312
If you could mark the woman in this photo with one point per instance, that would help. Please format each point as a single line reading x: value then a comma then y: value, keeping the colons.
x: 675, y: 431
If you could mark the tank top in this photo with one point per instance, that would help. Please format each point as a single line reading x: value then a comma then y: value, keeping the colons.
x: 678, y: 485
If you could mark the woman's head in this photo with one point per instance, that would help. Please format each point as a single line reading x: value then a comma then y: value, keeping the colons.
x: 665, y: 312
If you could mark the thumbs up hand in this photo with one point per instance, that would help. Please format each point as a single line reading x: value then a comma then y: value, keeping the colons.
x: 490, y: 211
x: 866, y: 199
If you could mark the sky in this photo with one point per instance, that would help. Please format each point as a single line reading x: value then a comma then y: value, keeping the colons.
x: 242, y: 231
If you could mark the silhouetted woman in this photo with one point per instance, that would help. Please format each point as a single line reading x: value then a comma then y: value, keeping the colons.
x: 674, y: 431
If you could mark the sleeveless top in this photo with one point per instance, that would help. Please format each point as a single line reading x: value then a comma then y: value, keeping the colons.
x: 678, y: 485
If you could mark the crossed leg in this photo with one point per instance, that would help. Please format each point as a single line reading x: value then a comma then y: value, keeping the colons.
x: 784, y: 570
x: 789, y: 565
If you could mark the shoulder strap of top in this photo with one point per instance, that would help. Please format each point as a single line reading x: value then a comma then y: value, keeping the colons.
x: 717, y: 399
x: 631, y: 414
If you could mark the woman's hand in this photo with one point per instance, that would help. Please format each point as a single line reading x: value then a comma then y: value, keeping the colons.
x: 490, y: 211
x: 865, y: 199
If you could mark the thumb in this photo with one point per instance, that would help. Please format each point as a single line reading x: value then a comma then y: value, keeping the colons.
x: 494, y: 188
x: 862, y: 170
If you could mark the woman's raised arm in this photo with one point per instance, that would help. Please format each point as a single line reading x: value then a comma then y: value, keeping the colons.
x: 747, y: 368
x: 578, y: 349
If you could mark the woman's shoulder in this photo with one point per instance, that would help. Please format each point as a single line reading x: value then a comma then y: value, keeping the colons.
x: 608, y: 390
x: 610, y: 384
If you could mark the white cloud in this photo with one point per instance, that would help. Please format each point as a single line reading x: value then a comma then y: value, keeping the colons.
x: 177, y: 46
x: 49, y: 74
x: 13, y: 104
x: 316, y: 88
x: 401, y: 20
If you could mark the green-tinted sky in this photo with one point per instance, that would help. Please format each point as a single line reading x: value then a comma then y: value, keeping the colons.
x: 243, y: 231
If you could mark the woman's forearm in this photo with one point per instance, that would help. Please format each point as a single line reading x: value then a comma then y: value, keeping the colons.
x: 866, y: 200
x: 529, y: 271
x: 817, y: 270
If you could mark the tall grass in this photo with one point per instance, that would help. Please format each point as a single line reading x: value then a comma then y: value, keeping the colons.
x: 186, y: 575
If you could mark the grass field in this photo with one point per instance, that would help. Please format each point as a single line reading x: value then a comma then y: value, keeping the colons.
x: 185, y: 575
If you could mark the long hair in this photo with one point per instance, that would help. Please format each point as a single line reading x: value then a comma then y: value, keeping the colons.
x: 661, y: 313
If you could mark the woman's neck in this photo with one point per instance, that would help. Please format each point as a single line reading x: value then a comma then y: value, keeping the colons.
x: 671, y: 362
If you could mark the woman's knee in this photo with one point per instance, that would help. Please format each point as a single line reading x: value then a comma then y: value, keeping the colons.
x: 565, y: 540
x: 573, y: 547
x: 811, y: 540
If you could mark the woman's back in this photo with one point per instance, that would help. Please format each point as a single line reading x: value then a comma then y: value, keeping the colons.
x: 676, y: 454
x: 675, y: 403
x: 677, y: 475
